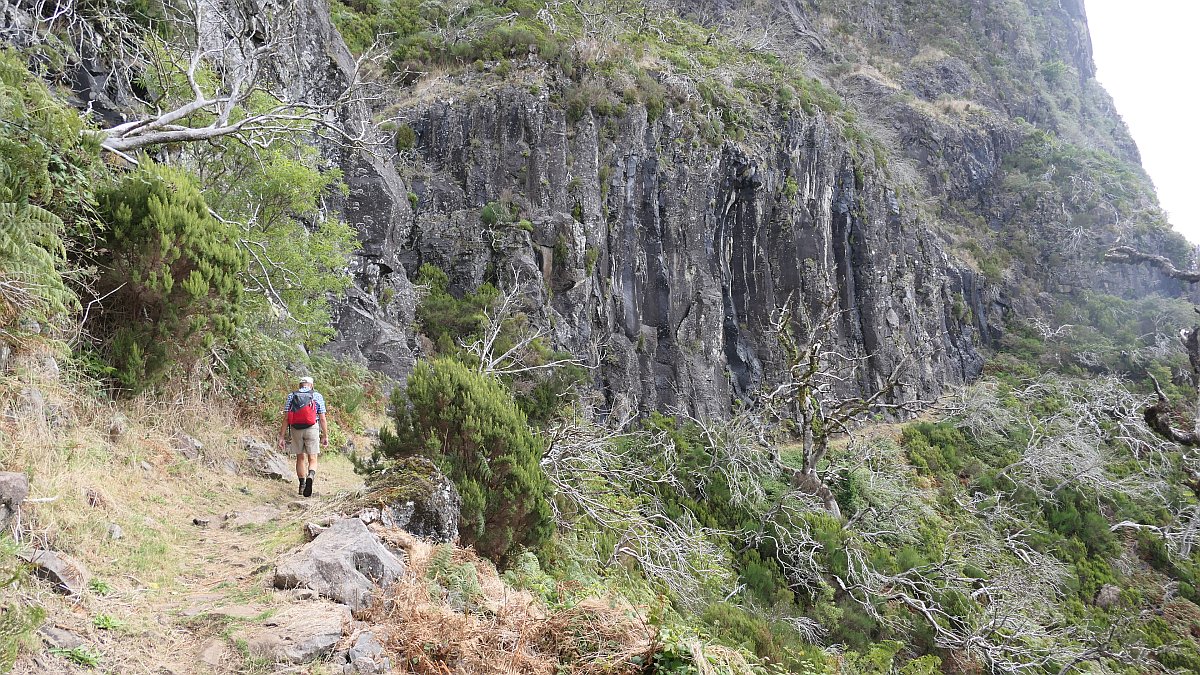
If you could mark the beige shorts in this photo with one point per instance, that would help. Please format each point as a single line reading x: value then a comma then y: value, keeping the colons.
x: 305, y: 441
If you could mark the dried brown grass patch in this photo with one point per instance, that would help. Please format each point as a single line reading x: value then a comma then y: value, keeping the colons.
x: 511, y: 631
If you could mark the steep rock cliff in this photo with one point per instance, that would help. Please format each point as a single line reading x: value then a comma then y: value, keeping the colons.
x: 663, y: 260
x: 659, y: 255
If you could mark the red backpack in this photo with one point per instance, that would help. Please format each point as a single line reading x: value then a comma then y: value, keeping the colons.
x: 302, y: 412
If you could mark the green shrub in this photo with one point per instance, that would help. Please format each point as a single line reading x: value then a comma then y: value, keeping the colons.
x: 299, y: 255
x: 445, y: 319
x: 470, y: 426
x: 171, y: 273
x: 406, y: 138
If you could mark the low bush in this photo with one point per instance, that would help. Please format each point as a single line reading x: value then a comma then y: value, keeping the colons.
x: 469, y: 425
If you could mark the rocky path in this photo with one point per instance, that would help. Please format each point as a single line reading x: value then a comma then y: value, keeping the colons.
x: 221, y: 605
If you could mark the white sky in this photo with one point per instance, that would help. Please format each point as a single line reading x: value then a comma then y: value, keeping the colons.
x: 1148, y: 58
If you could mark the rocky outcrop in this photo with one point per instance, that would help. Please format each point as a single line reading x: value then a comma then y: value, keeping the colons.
x: 186, y: 446
x: 345, y: 563
x: 653, y: 255
x: 669, y: 258
x: 412, y: 495
x: 266, y: 461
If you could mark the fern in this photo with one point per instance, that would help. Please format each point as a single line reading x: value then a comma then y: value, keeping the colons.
x: 31, y: 255
x: 47, y: 170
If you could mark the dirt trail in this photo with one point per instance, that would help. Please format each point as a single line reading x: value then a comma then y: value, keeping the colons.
x: 189, y: 624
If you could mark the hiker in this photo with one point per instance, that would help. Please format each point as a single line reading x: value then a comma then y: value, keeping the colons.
x: 303, y: 416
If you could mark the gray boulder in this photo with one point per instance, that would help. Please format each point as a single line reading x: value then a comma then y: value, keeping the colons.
x: 345, y: 563
x: 58, y: 638
x: 365, y: 656
x: 68, y: 575
x: 366, y: 646
x: 300, y: 633
x: 186, y: 446
x: 265, y: 460
x: 118, y: 426
x: 27, y: 407
x: 14, y: 488
x: 413, y: 495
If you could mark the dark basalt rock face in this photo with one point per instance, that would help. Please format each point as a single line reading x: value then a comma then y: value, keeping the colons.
x: 692, y: 248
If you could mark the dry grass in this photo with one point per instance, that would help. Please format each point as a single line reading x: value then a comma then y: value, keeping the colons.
x: 509, y: 632
x: 56, y: 428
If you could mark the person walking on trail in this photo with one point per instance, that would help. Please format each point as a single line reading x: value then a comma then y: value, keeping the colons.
x: 304, y: 418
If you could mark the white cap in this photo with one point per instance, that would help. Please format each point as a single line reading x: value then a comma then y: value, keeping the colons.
x: 307, y: 379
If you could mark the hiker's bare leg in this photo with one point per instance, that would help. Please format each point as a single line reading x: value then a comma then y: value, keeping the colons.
x: 301, y: 469
x: 312, y: 462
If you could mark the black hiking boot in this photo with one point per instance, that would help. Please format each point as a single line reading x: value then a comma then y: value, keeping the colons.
x: 307, y: 491
x: 301, y: 490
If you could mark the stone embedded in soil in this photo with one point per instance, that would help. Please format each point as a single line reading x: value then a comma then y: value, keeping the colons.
x: 299, y: 633
x: 14, y: 488
x: 115, y: 532
x: 368, y: 667
x: 68, y: 575
x: 58, y: 638
x: 302, y: 594
x: 265, y: 460
x: 255, y: 515
x: 200, y: 522
x: 239, y: 612
x: 118, y: 427
x: 345, y: 563
x: 215, y: 653
x: 365, y: 656
x: 186, y: 446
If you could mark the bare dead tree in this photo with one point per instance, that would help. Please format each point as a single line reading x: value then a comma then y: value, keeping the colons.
x: 220, y: 86
x: 505, y: 321
x: 811, y: 399
x: 1094, y: 428
x: 605, y: 477
x: 229, y: 91
x: 1158, y: 415
x: 1012, y: 629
